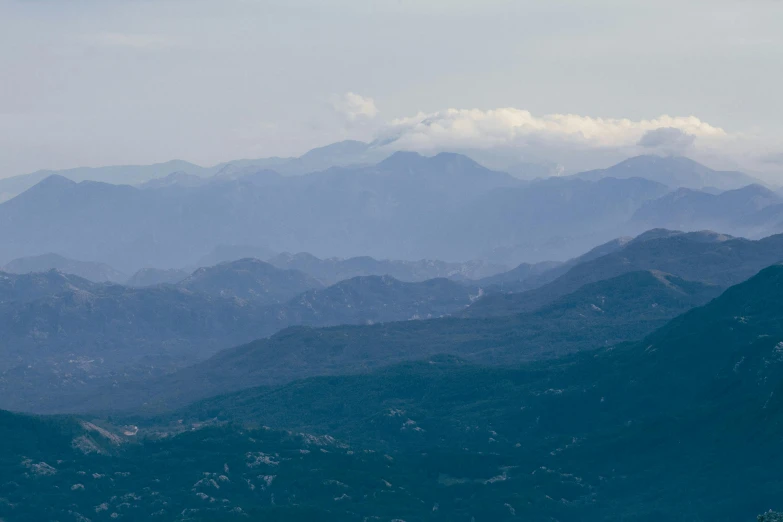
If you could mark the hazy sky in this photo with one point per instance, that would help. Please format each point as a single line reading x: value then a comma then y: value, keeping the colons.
x: 96, y: 82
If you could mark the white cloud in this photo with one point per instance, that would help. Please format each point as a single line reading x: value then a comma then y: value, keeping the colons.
x: 132, y: 40
x: 355, y: 107
x: 509, y: 126
x: 507, y: 137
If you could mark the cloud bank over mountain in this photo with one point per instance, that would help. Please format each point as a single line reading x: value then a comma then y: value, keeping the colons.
x: 565, y: 143
x: 509, y: 126
x: 131, y: 83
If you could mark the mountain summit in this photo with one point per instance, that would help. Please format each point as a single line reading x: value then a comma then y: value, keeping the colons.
x: 674, y: 171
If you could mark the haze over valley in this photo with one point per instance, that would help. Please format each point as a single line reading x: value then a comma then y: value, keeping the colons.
x: 392, y: 261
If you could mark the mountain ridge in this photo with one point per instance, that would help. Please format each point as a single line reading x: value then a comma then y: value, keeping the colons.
x: 599, y: 314
x: 700, y: 395
x: 704, y: 256
x: 674, y: 171
x: 64, y: 336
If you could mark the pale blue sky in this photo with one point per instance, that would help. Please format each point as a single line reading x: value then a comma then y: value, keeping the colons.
x: 88, y: 82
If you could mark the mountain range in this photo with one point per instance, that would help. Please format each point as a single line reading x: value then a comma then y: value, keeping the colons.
x: 682, y: 425
x: 673, y: 171
x: 604, y: 313
x: 326, y: 271
x: 332, y: 270
x: 631, y: 431
x: 699, y: 256
x: 682, y: 270
x: 62, y: 335
x: 405, y: 207
x: 338, y: 210
x: 358, y: 334
x: 730, y: 211
x: 249, y: 280
x: 182, y: 172
x: 126, y: 174
x: 527, y: 276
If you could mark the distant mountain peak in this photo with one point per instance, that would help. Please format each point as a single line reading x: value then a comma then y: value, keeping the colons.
x: 403, y: 159
x: 674, y: 171
x: 701, y: 236
x: 250, y: 278
x: 754, y: 189
x: 656, y: 233
x: 340, y: 147
x: 55, y: 180
x: 443, y: 162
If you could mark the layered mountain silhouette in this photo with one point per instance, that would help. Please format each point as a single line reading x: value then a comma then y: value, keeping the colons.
x: 62, y: 335
x: 635, y: 431
x: 527, y: 276
x: 79, y: 333
x: 675, y: 171
x: 700, y: 256
x: 332, y: 270
x: 688, y: 209
x: 550, y: 219
x: 121, y: 174
x: 621, y: 430
x: 249, y: 279
x: 406, y: 207
x: 69, y: 323
x: 371, y: 335
x: 183, y: 173
x: 620, y: 309
x: 369, y: 210
x: 377, y: 299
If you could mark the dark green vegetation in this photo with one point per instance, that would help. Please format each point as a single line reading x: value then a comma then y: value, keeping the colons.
x: 70, y: 470
x: 620, y: 309
x: 696, y: 256
x: 684, y: 425
x: 63, y: 336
